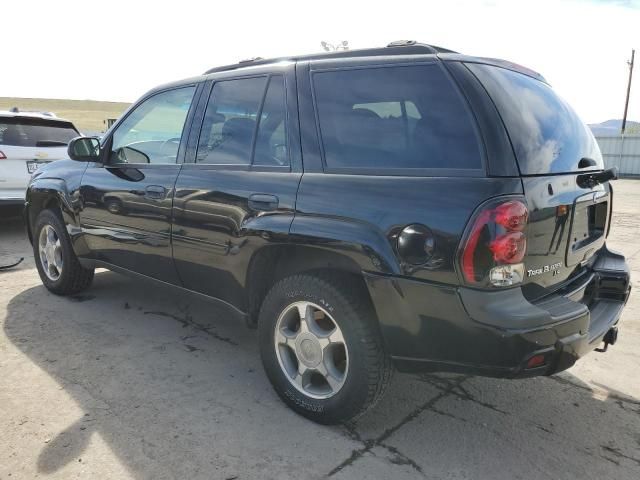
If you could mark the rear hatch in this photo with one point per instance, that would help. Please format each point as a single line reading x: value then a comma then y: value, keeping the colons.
x: 28, y: 142
x: 561, y: 169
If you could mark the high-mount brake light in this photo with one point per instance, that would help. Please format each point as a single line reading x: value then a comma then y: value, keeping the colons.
x: 496, y: 244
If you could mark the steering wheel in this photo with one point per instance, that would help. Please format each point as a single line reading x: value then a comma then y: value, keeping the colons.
x: 167, y: 142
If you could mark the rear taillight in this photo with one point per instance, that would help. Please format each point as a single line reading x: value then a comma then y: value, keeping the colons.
x: 495, y: 244
x: 2, y: 155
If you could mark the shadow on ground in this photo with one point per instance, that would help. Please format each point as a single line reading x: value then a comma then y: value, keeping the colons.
x: 14, y: 244
x: 176, y: 389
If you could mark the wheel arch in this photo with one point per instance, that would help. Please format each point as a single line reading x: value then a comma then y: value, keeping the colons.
x: 273, y: 263
x: 52, y: 194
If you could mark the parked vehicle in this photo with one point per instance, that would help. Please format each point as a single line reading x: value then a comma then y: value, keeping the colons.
x: 402, y: 208
x: 29, y: 140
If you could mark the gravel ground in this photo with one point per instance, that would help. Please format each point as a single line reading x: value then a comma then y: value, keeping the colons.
x: 133, y: 380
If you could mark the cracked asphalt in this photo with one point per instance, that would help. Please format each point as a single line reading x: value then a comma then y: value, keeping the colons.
x: 131, y: 380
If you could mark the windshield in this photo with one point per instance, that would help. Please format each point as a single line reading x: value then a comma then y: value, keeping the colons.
x: 35, y: 132
x: 546, y: 133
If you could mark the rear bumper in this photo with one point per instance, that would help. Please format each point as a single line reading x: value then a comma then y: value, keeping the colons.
x: 437, y: 328
x: 14, y: 195
x: 11, y: 202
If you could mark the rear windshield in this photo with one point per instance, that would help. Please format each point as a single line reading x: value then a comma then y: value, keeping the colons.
x: 35, y: 132
x: 401, y: 117
x: 547, y: 135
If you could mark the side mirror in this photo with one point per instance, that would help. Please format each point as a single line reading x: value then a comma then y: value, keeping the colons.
x: 84, y: 149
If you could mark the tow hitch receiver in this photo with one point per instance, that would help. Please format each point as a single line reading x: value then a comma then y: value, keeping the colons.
x: 610, y: 338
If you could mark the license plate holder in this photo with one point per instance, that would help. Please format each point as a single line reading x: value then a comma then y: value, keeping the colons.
x: 34, y: 165
x: 588, y: 224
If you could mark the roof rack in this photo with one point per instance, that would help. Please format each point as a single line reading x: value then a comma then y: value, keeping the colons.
x: 398, y: 47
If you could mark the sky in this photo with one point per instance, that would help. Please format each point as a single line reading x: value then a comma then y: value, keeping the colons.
x: 117, y: 50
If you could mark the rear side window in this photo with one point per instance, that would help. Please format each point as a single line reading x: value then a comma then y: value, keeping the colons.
x: 245, y: 123
x: 35, y: 132
x: 271, y: 142
x: 547, y: 135
x: 230, y: 122
x: 407, y: 117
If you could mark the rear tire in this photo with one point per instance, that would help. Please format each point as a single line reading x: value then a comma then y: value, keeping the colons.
x: 345, y: 369
x: 58, y: 266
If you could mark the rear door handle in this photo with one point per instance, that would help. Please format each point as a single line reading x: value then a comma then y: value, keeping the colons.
x: 156, y: 192
x: 263, y: 202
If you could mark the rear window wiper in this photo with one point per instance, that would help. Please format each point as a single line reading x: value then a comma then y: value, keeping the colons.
x: 591, y: 179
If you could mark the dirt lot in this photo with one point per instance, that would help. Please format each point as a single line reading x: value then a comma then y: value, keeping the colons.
x: 131, y: 380
x: 87, y: 115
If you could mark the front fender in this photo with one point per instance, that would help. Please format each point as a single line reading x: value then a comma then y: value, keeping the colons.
x: 44, y: 193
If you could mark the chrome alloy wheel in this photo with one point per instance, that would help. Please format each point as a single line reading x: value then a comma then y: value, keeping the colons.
x: 311, y: 350
x: 50, y: 250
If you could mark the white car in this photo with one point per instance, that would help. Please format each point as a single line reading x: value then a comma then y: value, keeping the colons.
x: 27, y: 141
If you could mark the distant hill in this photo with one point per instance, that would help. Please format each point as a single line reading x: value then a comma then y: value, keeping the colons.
x: 612, y: 127
x: 87, y: 115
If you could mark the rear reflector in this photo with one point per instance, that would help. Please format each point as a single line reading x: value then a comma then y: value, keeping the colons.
x: 536, y: 361
x: 2, y: 155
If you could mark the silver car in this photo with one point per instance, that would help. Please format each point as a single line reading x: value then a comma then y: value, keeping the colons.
x: 27, y: 141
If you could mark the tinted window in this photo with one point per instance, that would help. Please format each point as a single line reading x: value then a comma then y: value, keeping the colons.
x: 152, y: 132
x: 547, y: 135
x: 394, y: 117
x: 271, y: 142
x: 230, y: 122
x: 35, y: 132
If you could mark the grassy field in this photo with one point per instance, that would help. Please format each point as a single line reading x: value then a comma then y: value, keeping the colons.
x: 87, y: 115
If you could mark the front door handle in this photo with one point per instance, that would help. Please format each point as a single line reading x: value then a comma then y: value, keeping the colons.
x: 263, y: 202
x: 155, y: 192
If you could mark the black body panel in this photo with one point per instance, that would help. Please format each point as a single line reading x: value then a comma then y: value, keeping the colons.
x: 346, y: 211
x: 559, y: 243
x: 126, y: 217
x: 437, y: 328
x: 216, y: 230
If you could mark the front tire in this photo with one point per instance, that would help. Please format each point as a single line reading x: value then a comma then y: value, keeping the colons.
x: 58, y: 266
x: 321, y: 348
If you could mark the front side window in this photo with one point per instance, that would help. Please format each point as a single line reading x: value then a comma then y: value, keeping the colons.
x: 152, y: 132
x: 394, y: 118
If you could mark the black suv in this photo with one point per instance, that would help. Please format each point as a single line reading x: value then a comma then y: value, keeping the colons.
x: 404, y: 207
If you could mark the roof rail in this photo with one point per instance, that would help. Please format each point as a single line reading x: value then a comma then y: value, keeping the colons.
x: 411, y: 43
x: 398, y: 47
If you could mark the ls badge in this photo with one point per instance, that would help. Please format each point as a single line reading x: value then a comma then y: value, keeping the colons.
x: 555, y: 268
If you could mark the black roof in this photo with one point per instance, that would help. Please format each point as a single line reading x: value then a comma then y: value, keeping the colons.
x: 401, y: 47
